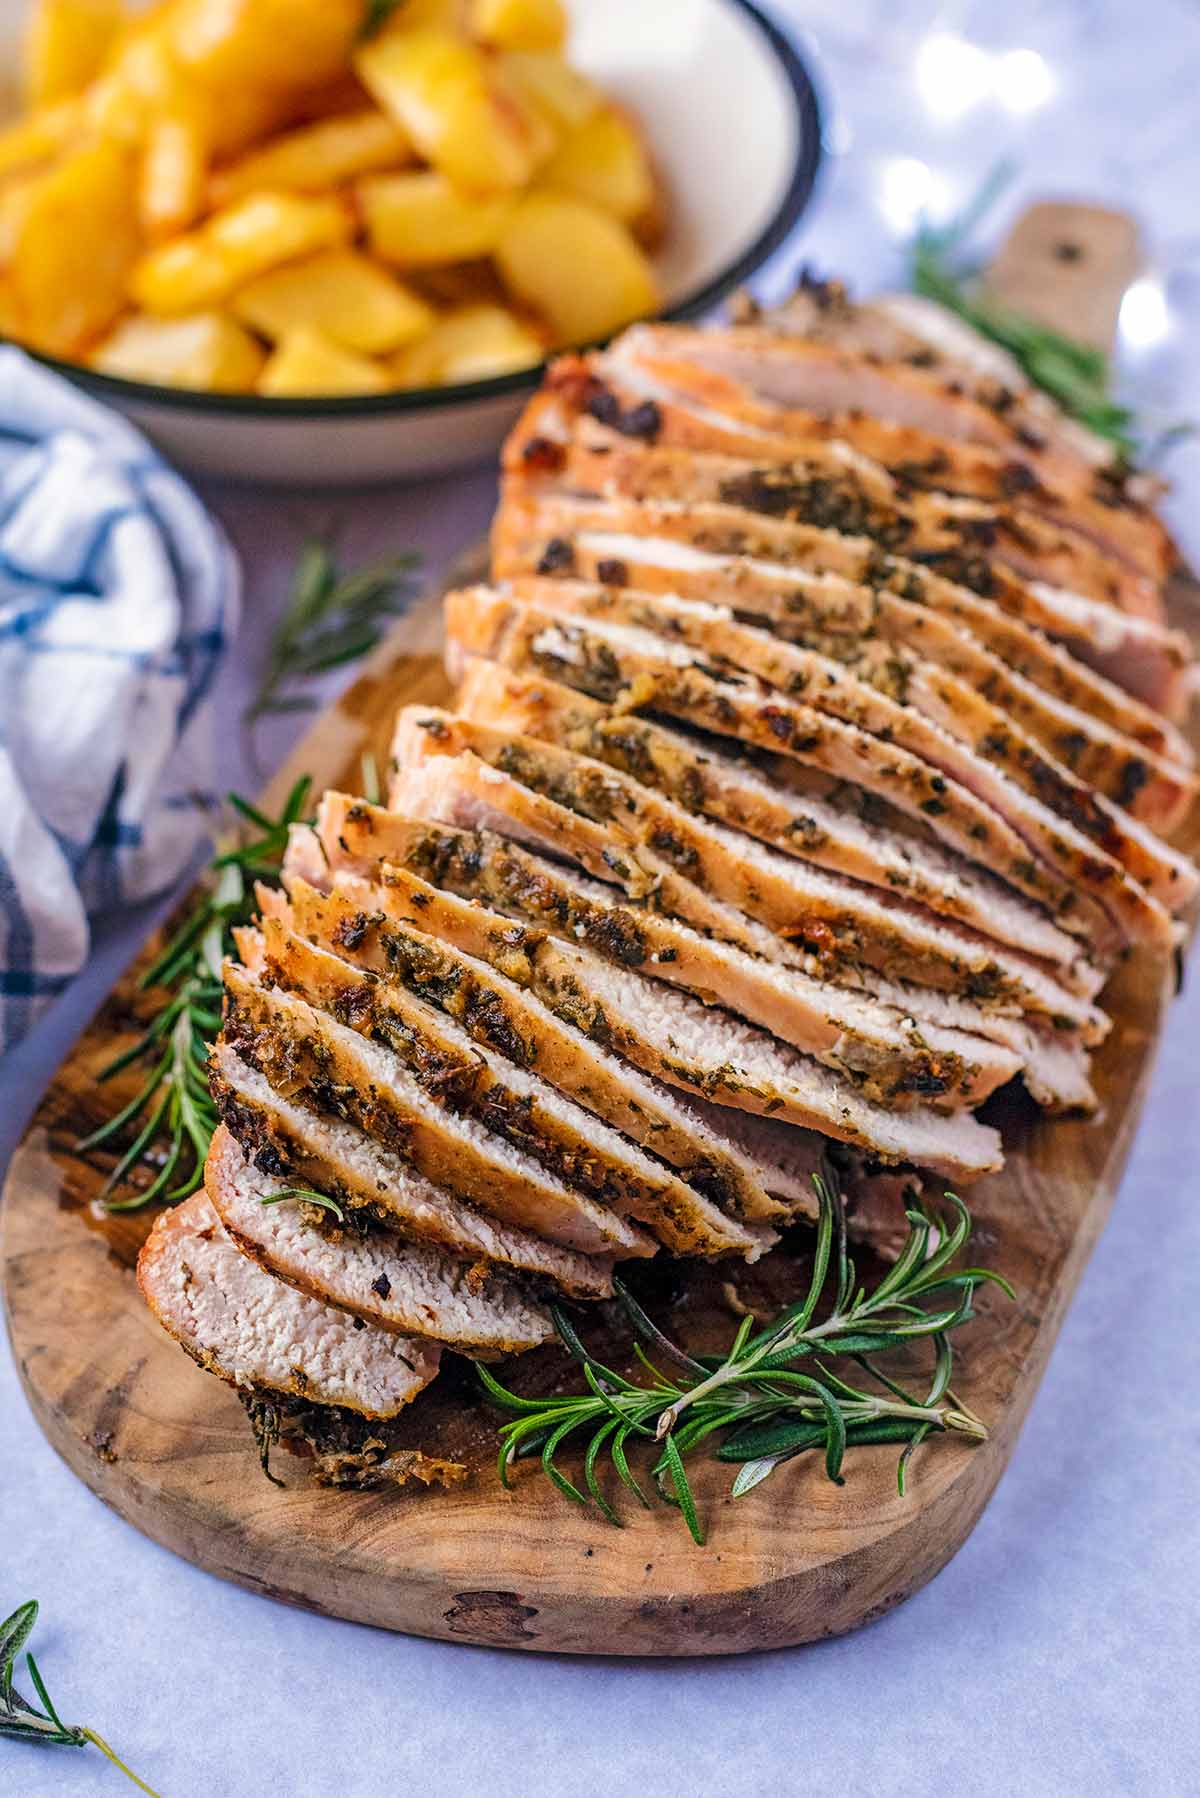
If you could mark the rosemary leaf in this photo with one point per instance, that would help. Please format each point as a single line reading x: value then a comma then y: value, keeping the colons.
x: 681, y: 1490
x: 752, y: 1474
x: 309, y: 1197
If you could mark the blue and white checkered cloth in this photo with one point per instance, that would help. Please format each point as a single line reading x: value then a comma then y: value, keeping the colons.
x: 118, y: 594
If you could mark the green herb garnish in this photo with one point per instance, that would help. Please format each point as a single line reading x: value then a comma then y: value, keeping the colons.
x: 20, y: 1720
x: 173, y: 1114
x: 764, y: 1406
x: 330, y: 619
x: 1075, y: 374
x: 309, y: 1197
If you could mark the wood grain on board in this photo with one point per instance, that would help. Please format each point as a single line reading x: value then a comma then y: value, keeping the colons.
x: 168, y: 1447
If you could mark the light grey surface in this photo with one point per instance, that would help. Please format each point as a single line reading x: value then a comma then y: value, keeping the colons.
x: 1058, y: 1653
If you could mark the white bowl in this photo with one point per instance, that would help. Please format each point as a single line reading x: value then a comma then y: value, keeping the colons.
x: 734, y: 124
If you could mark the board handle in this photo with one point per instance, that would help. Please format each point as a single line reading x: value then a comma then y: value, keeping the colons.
x: 1067, y: 265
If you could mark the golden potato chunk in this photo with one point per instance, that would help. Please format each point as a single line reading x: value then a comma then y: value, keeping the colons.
x: 140, y: 85
x: 308, y: 363
x: 145, y: 82
x: 340, y: 293
x: 185, y: 275
x: 469, y: 344
x: 520, y: 24
x: 39, y: 137
x: 193, y: 272
x: 603, y: 161
x: 421, y: 219
x: 549, y: 87
x: 575, y: 265
x: 74, y: 239
x: 174, y: 174
x: 66, y: 42
x: 207, y: 350
x: 461, y: 120
x: 274, y: 46
x: 267, y: 228
x: 315, y: 157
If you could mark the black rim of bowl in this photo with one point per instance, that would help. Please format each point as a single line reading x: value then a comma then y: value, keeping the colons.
x: 426, y: 399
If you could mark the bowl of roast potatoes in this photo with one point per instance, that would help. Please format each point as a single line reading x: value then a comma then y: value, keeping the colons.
x: 328, y: 241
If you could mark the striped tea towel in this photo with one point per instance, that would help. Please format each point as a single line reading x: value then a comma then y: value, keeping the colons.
x: 118, y: 594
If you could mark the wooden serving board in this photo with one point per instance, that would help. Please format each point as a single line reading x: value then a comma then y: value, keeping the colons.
x: 169, y: 1449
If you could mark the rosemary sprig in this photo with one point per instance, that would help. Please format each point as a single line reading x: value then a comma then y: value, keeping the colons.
x: 172, y: 1116
x: 21, y: 1720
x: 331, y: 618
x: 1075, y: 374
x: 765, y: 1407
